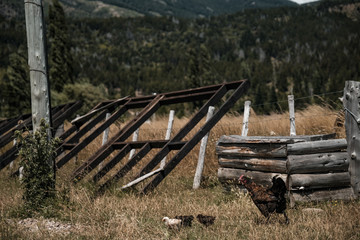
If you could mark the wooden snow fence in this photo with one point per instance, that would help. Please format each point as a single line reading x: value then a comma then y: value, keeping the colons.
x: 314, y: 167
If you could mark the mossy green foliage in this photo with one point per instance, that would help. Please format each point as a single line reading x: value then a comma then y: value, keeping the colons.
x: 37, y: 152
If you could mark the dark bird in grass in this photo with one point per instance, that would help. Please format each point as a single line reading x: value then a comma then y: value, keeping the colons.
x: 205, y: 220
x: 186, y: 221
x: 268, y: 200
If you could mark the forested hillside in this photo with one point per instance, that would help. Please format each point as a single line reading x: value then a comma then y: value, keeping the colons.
x: 302, y: 50
x: 135, y: 8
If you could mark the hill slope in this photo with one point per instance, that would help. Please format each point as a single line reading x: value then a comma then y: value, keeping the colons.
x: 133, y: 8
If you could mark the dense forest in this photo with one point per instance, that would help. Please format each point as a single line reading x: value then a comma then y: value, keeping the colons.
x: 300, y: 50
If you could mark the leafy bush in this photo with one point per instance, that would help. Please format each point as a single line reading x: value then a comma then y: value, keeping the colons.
x: 37, y: 153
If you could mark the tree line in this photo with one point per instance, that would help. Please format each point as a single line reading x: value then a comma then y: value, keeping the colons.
x: 291, y: 50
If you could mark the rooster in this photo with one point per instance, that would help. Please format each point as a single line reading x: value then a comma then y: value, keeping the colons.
x: 267, y: 200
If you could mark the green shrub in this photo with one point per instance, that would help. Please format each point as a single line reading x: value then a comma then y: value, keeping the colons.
x: 37, y: 153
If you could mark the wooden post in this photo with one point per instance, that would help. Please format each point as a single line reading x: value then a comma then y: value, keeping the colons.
x: 352, y: 121
x: 105, y: 135
x: 292, y: 115
x: 168, y: 133
x: 12, y: 162
x: 134, y: 139
x: 200, y: 165
x: 245, y: 128
x: 37, y: 60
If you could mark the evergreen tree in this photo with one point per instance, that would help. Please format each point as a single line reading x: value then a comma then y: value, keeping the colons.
x: 60, y: 59
x: 15, y: 87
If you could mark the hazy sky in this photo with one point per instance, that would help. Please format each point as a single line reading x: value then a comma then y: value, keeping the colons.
x: 303, y: 1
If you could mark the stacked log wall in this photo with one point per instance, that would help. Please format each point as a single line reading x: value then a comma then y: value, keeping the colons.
x: 313, y: 167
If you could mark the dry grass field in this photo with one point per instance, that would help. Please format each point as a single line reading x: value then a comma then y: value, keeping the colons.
x: 81, y: 214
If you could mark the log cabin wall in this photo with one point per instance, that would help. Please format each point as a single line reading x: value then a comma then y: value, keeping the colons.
x: 314, y: 167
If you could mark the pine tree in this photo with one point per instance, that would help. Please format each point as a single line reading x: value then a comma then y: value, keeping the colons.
x: 60, y: 60
x: 15, y: 87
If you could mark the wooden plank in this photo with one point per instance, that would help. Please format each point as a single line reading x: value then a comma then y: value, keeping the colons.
x: 273, y: 139
x: 274, y: 165
x: 142, y: 178
x: 260, y: 150
x: 313, y: 181
x: 333, y: 145
x: 352, y: 120
x: 318, y: 163
x: 323, y: 195
x: 232, y: 174
x: 200, y: 134
x: 111, y: 105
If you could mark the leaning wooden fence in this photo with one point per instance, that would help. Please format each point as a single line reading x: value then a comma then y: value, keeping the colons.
x: 314, y: 167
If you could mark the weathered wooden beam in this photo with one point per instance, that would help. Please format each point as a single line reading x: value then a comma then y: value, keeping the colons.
x: 184, y: 131
x: 92, y: 136
x: 318, y: 163
x: 313, y: 181
x: 274, y: 139
x: 260, y: 150
x: 153, y: 144
x: 9, y: 156
x: 74, y: 140
x: 129, y: 165
x: 58, y: 120
x: 274, y: 165
x: 263, y: 178
x: 352, y: 125
x: 82, y: 119
x: 199, y: 135
x: 333, y: 145
x: 122, y: 135
x: 105, y: 169
x: 322, y: 195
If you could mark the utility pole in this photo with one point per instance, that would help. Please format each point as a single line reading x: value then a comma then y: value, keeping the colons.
x: 37, y: 60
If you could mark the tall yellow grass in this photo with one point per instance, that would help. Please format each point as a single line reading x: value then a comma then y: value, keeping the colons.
x: 126, y: 215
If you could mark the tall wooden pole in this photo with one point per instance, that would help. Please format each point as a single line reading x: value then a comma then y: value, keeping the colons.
x: 37, y: 60
x: 352, y: 126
